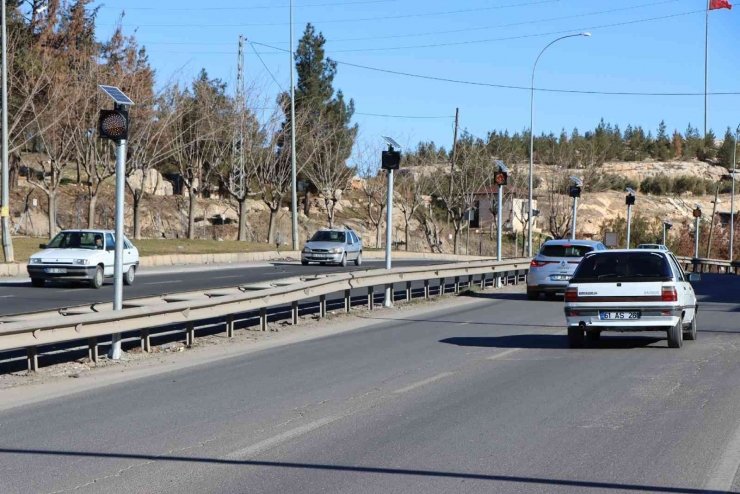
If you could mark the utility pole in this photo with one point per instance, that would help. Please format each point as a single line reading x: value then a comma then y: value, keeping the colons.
x: 454, y: 156
x: 5, y: 204
x: 293, y: 191
x: 711, y: 223
x: 732, y: 196
x: 238, y: 144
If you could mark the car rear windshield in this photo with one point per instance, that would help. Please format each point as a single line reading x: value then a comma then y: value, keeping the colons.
x: 329, y: 236
x: 565, y: 250
x: 623, y: 266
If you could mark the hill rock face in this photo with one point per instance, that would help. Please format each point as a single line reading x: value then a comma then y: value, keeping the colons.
x: 645, y: 169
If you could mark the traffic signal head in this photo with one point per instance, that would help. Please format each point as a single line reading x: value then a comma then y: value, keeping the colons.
x: 501, y: 178
x: 575, y: 191
x: 630, y: 200
x: 113, y: 124
x: 697, y: 212
x: 391, y: 160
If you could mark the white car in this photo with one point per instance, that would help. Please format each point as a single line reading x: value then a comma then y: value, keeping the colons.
x: 82, y: 255
x: 631, y: 290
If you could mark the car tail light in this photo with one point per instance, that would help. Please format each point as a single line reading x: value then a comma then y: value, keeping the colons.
x: 574, y: 262
x: 538, y: 264
x: 571, y: 294
x: 669, y: 294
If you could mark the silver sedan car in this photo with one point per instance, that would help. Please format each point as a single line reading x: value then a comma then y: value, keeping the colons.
x: 552, y: 268
x: 333, y: 246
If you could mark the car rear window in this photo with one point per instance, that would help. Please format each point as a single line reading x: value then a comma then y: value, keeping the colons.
x: 565, y: 250
x: 623, y: 266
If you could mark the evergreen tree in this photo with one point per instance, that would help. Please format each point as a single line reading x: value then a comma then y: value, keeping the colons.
x: 725, y: 152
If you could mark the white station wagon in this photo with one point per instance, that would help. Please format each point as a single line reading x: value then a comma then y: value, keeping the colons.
x: 82, y: 255
x: 631, y: 290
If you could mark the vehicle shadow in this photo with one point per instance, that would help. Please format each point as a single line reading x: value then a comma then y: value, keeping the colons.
x: 550, y: 341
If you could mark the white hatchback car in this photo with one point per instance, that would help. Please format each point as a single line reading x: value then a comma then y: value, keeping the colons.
x: 82, y: 255
x: 631, y: 290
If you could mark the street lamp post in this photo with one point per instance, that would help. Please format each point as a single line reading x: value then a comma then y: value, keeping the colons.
x: 531, y: 129
x: 390, y: 160
x: 630, y: 200
x: 697, y: 216
x: 575, y: 193
x: 667, y: 225
x: 732, y: 196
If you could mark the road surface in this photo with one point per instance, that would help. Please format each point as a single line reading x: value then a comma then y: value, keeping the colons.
x: 480, y: 397
x: 17, y: 297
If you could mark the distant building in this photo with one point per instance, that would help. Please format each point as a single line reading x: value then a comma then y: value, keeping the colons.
x: 515, y: 209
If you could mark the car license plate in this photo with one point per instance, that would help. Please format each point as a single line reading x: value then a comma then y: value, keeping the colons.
x: 55, y: 270
x: 560, y: 277
x: 320, y: 256
x: 620, y: 316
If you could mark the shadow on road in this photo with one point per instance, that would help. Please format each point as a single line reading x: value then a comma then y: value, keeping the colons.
x: 549, y: 341
x: 372, y: 470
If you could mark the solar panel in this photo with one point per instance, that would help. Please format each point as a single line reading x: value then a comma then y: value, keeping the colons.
x: 501, y: 166
x: 116, y: 95
x: 392, y: 142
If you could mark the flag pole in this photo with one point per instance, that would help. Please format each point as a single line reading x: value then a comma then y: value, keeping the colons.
x: 706, y: 70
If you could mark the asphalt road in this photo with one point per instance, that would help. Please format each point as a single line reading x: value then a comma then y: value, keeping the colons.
x: 17, y: 297
x: 476, y: 398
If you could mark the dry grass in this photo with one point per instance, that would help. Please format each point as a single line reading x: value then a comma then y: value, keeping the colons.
x: 24, y: 247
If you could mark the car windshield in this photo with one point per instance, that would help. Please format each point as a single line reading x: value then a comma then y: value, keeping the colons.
x: 77, y: 240
x: 623, y: 266
x: 329, y: 236
x: 565, y: 250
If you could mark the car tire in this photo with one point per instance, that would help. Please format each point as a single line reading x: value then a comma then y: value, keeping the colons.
x: 98, y: 278
x: 675, y: 336
x: 593, y: 335
x: 358, y: 261
x: 551, y: 296
x: 343, y: 262
x: 533, y: 295
x: 38, y: 282
x: 128, y: 278
x: 304, y: 263
x: 691, y: 334
x: 576, y: 337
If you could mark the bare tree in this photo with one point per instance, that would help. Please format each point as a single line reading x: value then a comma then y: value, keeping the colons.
x: 558, y: 211
x: 410, y: 193
x: 374, y: 186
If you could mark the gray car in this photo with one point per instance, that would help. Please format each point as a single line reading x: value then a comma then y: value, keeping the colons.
x: 552, y: 268
x: 333, y: 246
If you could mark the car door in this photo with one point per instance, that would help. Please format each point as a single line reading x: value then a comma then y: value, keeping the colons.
x: 110, y: 254
x: 351, y: 246
x: 686, y: 290
x: 130, y: 254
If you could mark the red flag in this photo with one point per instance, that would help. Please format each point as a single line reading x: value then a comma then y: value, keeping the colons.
x: 719, y: 4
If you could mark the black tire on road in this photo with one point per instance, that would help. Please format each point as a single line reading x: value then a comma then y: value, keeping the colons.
x: 691, y: 334
x: 98, y: 279
x: 576, y: 337
x: 551, y: 296
x: 128, y: 278
x: 38, y: 282
x: 533, y: 295
x: 593, y: 335
x: 675, y: 336
x: 358, y: 261
x: 343, y: 262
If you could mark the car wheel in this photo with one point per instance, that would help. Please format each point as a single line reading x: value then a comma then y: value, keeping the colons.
x: 533, y: 295
x: 304, y: 263
x: 551, y: 296
x: 675, y: 336
x: 343, y: 263
x: 691, y: 334
x: 576, y: 337
x: 358, y: 261
x: 593, y: 335
x: 97, y: 280
x: 128, y: 278
x: 38, y: 282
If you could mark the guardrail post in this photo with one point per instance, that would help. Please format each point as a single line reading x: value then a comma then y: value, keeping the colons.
x: 347, y: 301
x: 516, y: 277
x: 33, y: 359
x: 230, y: 326
x: 294, y: 313
x: 146, y: 345
x: 408, y: 291
x: 483, y: 281
x: 263, y: 319
x: 426, y: 289
x: 441, y: 290
x: 92, y: 349
x: 190, y: 334
x: 370, y: 298
x: 457, y: 285
x: 322, y: 306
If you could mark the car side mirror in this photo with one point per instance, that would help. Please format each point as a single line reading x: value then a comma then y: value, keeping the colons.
x: 110, y: 248
x: 42, y: 246
x: 694, y: 277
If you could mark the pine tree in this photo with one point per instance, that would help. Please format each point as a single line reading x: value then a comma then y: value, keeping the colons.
x: 725, y: 152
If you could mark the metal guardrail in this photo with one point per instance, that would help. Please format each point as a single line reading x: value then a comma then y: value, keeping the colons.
x: 698, y: 265
x: 37, y: 331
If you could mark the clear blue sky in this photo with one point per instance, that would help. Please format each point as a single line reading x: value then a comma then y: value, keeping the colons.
x: 664, y: 55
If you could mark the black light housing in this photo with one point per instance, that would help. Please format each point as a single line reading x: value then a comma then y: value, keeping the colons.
x: 574, y: 191
x: 114, y: 124
x: 501, y: 178
x: 391, y: 160
x: 630, y: 200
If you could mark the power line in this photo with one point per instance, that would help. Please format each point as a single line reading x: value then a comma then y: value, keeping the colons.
x: 524, y: 88
x: 266, y: 68
x: 261, y: 7
x: 405, y: 116
x: 381, y: 18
